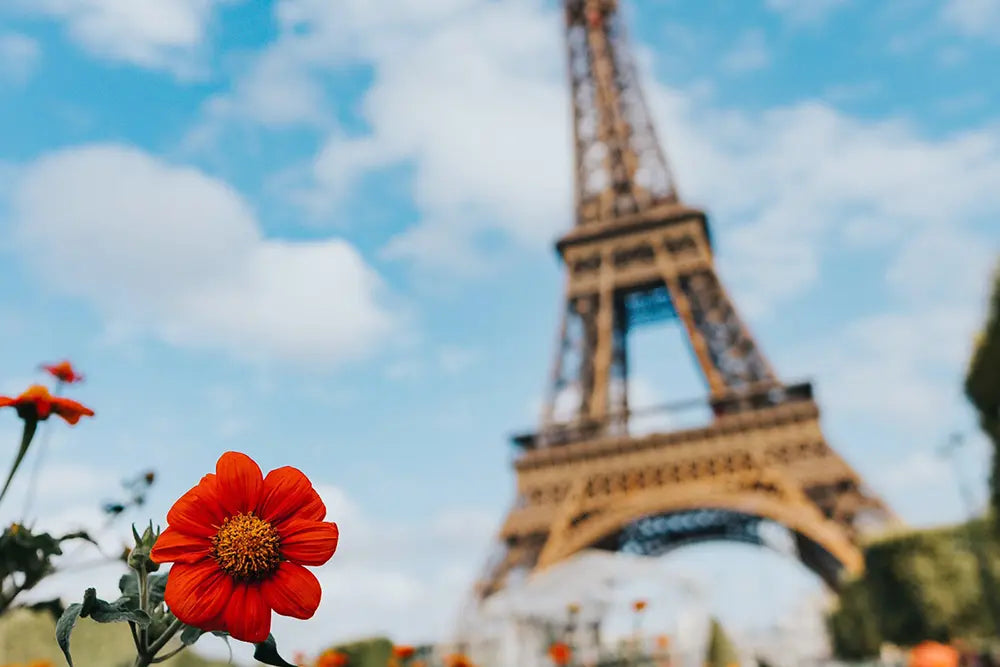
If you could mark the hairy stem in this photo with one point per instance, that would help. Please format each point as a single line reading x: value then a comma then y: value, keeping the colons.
x: 167, y: 656
x: 162, y: 640
x: 143, y: 606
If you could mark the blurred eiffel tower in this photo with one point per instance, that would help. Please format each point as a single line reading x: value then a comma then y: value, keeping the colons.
x: 637, y: 254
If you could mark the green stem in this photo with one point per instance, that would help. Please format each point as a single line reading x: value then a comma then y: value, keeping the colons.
x: 167, y: 635
x: 7, y: 597
x: 143, y: 606
x: 167, y: 656
x: 135, y: 637
x: 30, y: 426
x: 147, y: 655
x: 36, y: 469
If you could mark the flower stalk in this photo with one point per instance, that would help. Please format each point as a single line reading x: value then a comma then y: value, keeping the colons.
x: 39, y: 457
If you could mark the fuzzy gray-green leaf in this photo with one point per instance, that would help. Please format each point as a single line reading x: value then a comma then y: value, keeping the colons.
x: 64, y: 627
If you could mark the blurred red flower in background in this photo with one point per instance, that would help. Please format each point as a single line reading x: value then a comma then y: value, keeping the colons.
x: 63, y: 371
x: 560, y: 653
x: 403, y: 652
x: 37, y: 404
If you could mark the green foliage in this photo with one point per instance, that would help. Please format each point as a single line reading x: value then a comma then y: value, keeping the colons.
x: 374, y: 652
x: 853, y: 628
x: 28, y: 555
x: 721, y: 652
x: 982, y: 384
x: 124, y: 609
x: 919, y: 585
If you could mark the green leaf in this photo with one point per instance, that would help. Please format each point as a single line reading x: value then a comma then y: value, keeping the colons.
x: 157, y: 585
x: 129, y: 585
x: 121, y: 610
x: 189, y: 635
x: 267, y: 653
x: 64, y: 627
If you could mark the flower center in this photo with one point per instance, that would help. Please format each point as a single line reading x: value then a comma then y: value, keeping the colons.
x: 246, y: 547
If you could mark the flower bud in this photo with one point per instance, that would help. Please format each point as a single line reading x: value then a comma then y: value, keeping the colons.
x: 138, y: 558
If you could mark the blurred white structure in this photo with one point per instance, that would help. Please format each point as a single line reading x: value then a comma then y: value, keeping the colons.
x: 798, y: 639
x: 514, y: 627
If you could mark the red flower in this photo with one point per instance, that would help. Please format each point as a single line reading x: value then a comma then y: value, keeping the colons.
x: 638, y: 605
x: 560, y: 653
x: 239, y: 542
x: 458, y: 660
x: 36, y: 404
x: 63, y: 371
x: 333, y: 659
x: 403, y: 652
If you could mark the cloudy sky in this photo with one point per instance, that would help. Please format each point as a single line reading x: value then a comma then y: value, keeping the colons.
x: 320, y: 233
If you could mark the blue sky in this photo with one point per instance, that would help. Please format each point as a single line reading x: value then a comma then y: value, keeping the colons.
x: 321, y: 233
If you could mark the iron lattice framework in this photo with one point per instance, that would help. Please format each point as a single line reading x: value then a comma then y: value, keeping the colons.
x: 637, y: 254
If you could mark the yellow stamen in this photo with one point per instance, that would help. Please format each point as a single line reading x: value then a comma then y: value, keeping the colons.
x: 247, y: 548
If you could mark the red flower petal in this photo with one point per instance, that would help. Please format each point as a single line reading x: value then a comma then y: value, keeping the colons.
x: 198, y: 512
x: 308, y: 542
x: 292, y: 591
x: 174, y: 546
x: 239, y: 482
x: 247, y: 616
x: 197, y: 593
x: 7, y: 401
x: 288, y: 493
x: 69, y: 410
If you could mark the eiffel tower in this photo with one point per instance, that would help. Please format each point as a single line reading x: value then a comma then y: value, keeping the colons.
x: 637, y: 254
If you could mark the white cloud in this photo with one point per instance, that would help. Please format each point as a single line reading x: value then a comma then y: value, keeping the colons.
x: 749, y: 53
x: 904, y: 366
x: 170, y: 251
x: 404, y: 579
x: 19, y: 56
x: 155, y: 34
x: 978, y: 18
x: 807, y: 171
x: 484, y: 118
x: 805, y: 11
x: 277, y: 92
x: 486, y: 131
x: 928, y: 484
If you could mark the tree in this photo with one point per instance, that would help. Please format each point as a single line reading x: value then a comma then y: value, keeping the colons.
x: 373, y: 652
x: 982, y: 384
x: 853, y: 627
x: 918, y: 585
x: 721, y: 652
